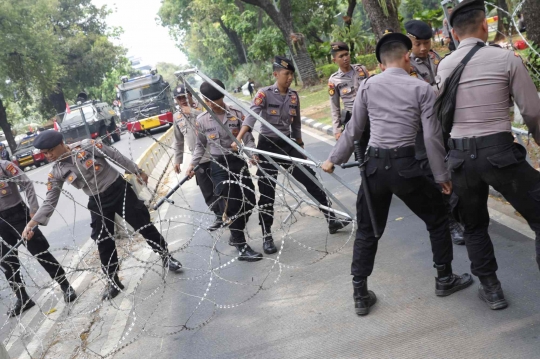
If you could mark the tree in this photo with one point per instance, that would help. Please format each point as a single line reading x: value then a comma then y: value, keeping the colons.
x: 383, y: 14
x: 531, y: 13
x: 503, y: 24
x: 167, y: 70
x: 282, y: 18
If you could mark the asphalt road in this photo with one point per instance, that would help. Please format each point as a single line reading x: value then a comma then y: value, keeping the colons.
x: 303, y: 307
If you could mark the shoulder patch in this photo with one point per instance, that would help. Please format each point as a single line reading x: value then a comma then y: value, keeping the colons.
x: 49, y: 186
x: 50, y: 175
x: 12, y: 169
x: 414, y: 74
x: 331, y: 89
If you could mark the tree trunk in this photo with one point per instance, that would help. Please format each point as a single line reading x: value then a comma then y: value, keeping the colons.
x: 235, y: 40
x: 531, y: 13
x: 379, y: 21
x: 503, y: 25
x: 348, y: 23
x: 6, y: 127
x: 282, y: 18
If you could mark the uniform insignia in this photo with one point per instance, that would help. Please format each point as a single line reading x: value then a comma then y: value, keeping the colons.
x: 4, y: 191
x: 235, y: 131
x: 294, y: 99
x: 414, y: 74
x: 99, y: 145
x: 345, y: 90
x: 50, y: 175
x: 258, y: 101
x: 81, y: 154
x: 284, y: 64
x: 331, y: 89
x: 335, y: 47
x: 92, y: 142
x: 2, y: 184
x: 49, y: 186
x: 243, y: 117
x: 436, y: 61
x: 292, y: 112
x: 11, y: 169
x: 88, y: 163
x: 273, y: 112
x: 233, y: 119
x: 212, y: 136
x: 97, y: 167
x: 361, y: 72
x: 70, y: 178
x: 260, y: 94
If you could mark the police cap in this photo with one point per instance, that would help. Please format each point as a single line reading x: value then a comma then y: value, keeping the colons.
x: 284, y: 63
x: 210, y: 92
x: 389, y: 37
x: 48, y: 139
x: 418, y: 30
x: 466, y: 6
x: 179, y: 91
x: 338, y: 46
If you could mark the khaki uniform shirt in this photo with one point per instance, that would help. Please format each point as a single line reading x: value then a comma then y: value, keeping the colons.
x: 425, y: 69
x: 281, y: 111
x: 489, y: 82
x: 214, y: 139
x: 86, y: 168
x: 396, y: 125
x: 9, y: 192
x: 185, y: 130
x: 341, y: 85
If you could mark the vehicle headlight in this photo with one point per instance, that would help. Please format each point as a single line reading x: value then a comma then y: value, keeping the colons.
x: 133, y: 119
x: 13, y: 158
x: 36, y: 151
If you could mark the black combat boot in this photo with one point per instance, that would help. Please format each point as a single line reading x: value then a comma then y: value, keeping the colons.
x: 172, y: 264
x: 364, y: 299
x: 456, y: 232
x: 447, y: 282
x: 218, y: 223
x: 268, y: 244
x: 246, y: 253
x: 113, y: 288
x: 23, y: 302
x: 490, y: 291
x: 69, y: 292
x: 335, y: 224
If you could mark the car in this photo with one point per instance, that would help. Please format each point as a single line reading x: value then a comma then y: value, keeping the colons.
x: 26, y: 155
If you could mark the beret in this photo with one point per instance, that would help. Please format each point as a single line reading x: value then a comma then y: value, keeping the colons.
x: 48, y: 139
x: 284, y: 63
x: 338, y: 46
x: 210, y: 92
x: 418, y: 29
x: 466, y: 6
x: 390, y: 37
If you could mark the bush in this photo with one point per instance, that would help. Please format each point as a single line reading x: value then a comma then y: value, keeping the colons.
x: 533, y: 62
x: 369, y: 61
x: 261, y: 74
x: 326, y: 71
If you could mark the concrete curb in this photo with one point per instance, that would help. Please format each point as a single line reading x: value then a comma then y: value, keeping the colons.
x: 326, y: 129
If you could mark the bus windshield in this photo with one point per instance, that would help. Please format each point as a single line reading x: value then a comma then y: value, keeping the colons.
x: 138, y: 95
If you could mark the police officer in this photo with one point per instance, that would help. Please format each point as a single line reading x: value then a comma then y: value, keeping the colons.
x: 392, y: 168
x: 184, y: 128
x: 343, y: 85
x: 424, y: 62
x: 86, y: 167
x: 280, y: 106
x: 483, y: 152
x: 230, y: 174
x: 14, y: 215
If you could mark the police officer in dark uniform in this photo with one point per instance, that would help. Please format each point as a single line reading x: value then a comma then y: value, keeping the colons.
x: 230, y: 174
x: 424, y: 62
x: 280, y: 106
x: 185, y: 130
x: 14, y: 215
x: 483, y: 152
x: 392, y: 168
x: 86, y: 167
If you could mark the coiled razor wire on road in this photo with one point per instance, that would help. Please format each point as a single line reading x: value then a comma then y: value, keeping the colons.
x: 209, y: 256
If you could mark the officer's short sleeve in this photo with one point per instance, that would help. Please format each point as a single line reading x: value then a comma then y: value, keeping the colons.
x: 257, y: 106
x: 334, y: 106
x: 54, y: 189
x: 201, y: 140
x: 178, y: 142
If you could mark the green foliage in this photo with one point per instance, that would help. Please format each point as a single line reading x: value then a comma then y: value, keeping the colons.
x: 326, y: 71
x: 319, y: 52
x: 363, y: 39
x: 260, y: 74
x: 167, y: 70
x: 107, y: 89
x: 533, y: 62
x: 369, y: 61
x: 432, y: 17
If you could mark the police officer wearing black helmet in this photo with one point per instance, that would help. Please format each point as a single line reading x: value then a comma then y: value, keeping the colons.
x: 86, y: 167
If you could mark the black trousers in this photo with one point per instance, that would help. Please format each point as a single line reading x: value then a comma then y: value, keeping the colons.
x: 404, y: 178
x: 503, y: 166
x: 102, y: 211
x: 267, y: 188
x: 237, y: 200
x: 12, y: 224
x: 204, y: 181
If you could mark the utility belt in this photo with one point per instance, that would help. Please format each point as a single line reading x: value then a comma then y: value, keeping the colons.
x: 346, y: 116
x: 108, y: 197
x: 19, y: 211
x: 398, y: 152
x: 476, y: 143
x: 226, y: 159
